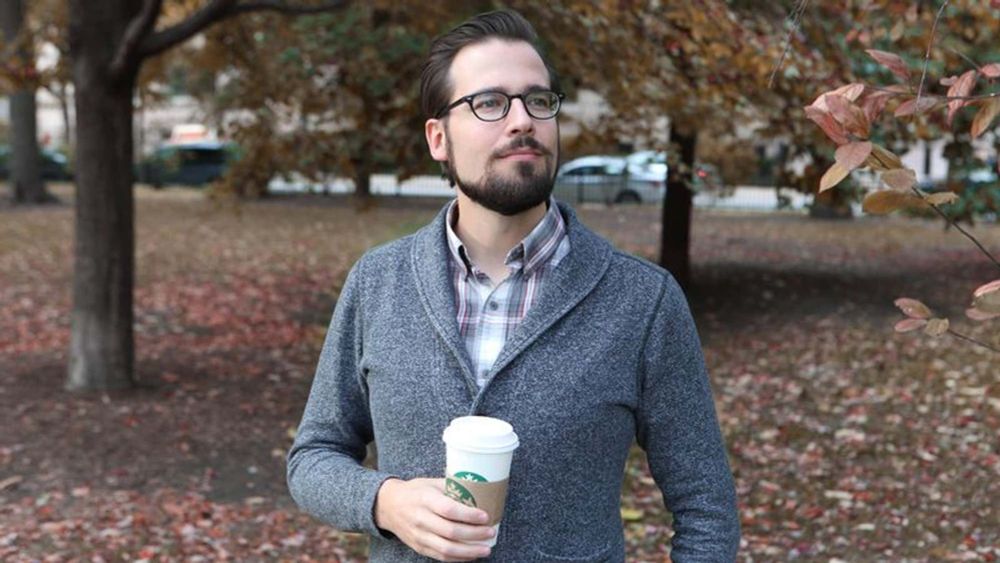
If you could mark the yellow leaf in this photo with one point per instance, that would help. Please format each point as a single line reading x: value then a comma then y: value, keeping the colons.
x: 942, y: 198
x: 936, y: 327
x: 900, y: 179
x: 833, y: 176
x: 881, y: 159
x: 631, y: 514
x: 887, y: 201
x: 985, y: 116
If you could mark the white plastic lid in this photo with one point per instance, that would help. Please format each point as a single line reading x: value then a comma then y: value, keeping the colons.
x: 481, y: 434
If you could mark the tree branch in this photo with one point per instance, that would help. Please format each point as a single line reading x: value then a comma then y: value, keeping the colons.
x: 137, y: 28
x: 164, y: 39
x: 957, y: 226
x: 285, y: 8
x: 971, y: 340
x: 896, y: 93
x: 793, y: 19
x: 930, y: 44
x: 218, y: 10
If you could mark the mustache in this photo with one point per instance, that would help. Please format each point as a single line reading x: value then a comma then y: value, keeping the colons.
x: 524, y: 142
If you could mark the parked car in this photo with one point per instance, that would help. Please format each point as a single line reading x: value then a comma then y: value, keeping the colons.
x: 637, y: 178
x: 608, y: 179
x: 191, y: 164
x: 54, y: 165
x: 653, y: 165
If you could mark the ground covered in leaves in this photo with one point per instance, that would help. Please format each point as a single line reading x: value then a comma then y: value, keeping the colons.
x: 848, y: 442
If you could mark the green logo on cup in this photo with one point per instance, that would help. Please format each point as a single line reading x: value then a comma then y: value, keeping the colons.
x: 470, y: 476
x: 455, y: 491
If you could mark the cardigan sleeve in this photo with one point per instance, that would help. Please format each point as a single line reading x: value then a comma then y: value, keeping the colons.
x: 678, y: 429
x: 325, y: 475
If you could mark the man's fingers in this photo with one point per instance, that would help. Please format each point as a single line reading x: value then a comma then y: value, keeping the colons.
x: 455, y: 531
x: 440, y: 548
x: 450, y: 509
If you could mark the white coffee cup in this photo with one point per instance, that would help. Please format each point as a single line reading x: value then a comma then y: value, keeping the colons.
x: 478, y: 455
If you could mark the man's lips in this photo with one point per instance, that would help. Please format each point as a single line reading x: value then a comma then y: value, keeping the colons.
x: 522, y: 155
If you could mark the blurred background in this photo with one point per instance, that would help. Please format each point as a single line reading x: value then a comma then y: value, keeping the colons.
x: 184, y: 185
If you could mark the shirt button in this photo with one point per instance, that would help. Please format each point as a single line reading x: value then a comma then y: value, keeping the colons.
x: 494, y: 306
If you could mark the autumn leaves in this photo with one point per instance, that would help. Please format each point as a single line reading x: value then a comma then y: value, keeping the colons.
x: 846, y: 115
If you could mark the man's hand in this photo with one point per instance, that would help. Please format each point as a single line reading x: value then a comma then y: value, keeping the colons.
x: 429, y: 522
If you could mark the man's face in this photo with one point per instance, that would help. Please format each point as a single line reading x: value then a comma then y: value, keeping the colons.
x: 508, y: 165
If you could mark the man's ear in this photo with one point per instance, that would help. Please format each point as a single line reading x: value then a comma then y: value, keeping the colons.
x: 437, y: 141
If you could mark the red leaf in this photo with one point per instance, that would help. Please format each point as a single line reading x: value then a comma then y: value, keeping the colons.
x: 907, y: 325
x: 891, y: 61
x: 991, y: 70
x: 829, y: 125
x: 853, y: 155
x: 987, y: 288
x: 911, y: 107
x: 848, y: 114
x: 913, y: 308
x: 873, y: 104
x: 977, y: 315
x: 850, y: 91
x: 961, y: 88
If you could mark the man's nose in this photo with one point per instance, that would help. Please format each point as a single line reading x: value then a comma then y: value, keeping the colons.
x: 518, y: 119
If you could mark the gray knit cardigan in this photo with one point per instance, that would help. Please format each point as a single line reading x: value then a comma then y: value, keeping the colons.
x: 608, y: 354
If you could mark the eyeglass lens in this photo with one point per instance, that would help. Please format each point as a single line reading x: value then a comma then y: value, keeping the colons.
x: 491, y: 106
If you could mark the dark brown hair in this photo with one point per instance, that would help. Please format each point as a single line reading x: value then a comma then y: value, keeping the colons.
x: 435, y: 86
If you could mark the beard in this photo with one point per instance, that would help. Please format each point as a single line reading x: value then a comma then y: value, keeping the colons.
x: 502, y: 193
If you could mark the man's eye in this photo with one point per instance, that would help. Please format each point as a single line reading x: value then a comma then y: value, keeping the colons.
x: 488, y: 103
x: 540, y: 102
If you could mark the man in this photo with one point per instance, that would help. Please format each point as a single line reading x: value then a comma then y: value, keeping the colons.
x: 506, y: 306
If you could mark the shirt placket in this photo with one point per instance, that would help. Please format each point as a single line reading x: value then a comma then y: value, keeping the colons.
x: 493, y: 300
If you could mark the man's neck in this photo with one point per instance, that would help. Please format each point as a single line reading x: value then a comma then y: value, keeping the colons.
x: 488, y: 236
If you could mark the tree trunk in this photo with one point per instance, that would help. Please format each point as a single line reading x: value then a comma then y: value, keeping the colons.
x: 101, y: 345
x: 363, y: 200
x: 25, y: 164
x: 67, y: 122
x: 675, y: 239
x: 831, y: 204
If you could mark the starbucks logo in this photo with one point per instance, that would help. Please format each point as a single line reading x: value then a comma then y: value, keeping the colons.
x: 455, y: 491
x: 470, y: 476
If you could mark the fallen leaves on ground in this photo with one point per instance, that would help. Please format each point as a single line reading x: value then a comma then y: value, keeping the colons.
x: 848, y: 441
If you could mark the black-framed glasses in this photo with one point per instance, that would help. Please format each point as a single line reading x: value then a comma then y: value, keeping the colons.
x: 493, y: 106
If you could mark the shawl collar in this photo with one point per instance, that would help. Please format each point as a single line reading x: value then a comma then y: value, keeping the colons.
x: 571, y: 281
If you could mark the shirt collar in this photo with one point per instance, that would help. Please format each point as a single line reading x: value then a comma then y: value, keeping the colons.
x: 533, y: 251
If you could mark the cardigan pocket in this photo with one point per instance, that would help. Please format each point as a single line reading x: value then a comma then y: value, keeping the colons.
x: 601, y: 555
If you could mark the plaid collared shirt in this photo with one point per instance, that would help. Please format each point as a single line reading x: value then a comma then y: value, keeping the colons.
x: 488, y: 314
